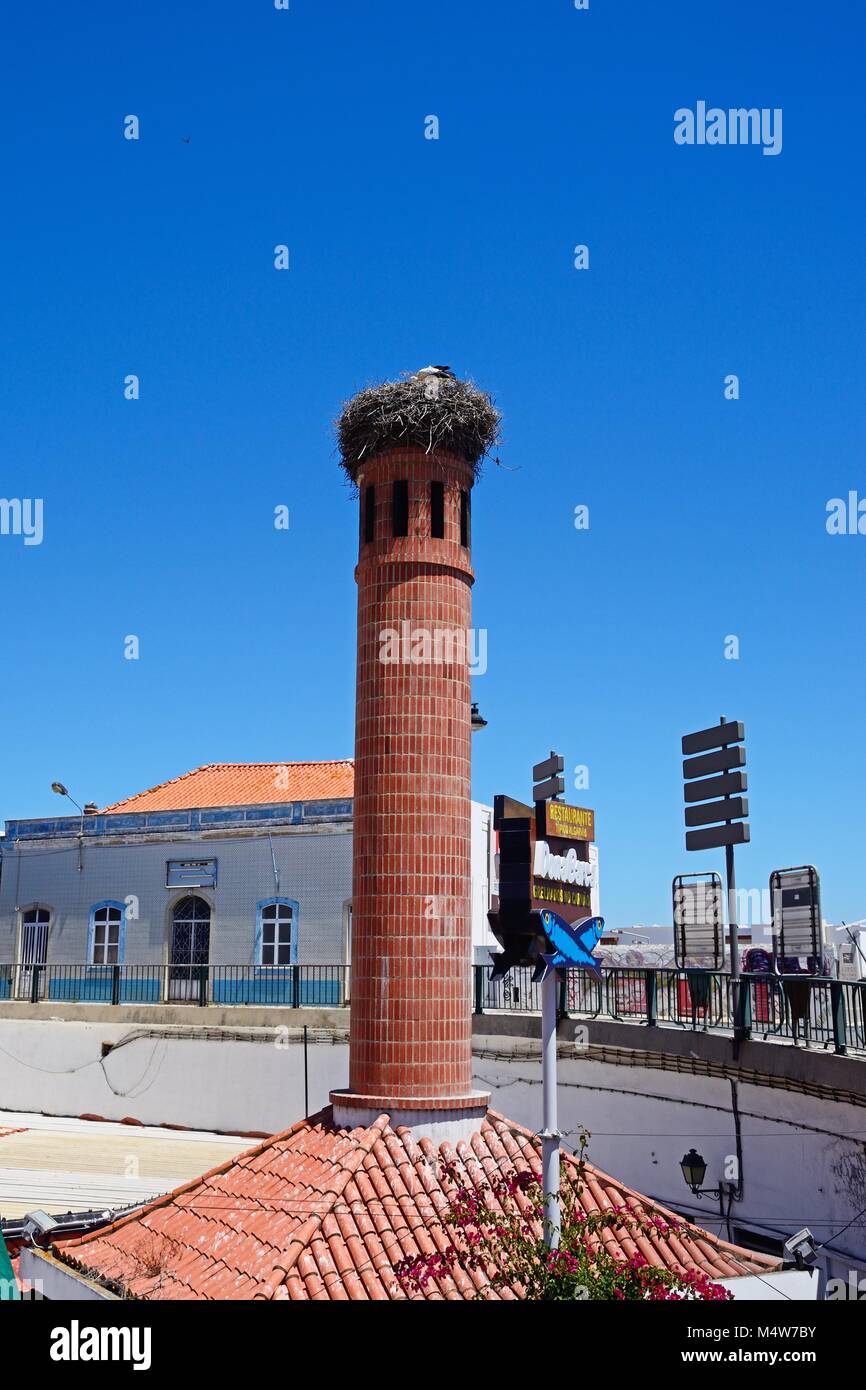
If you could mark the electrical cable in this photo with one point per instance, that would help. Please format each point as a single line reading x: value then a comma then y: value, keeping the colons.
x: 838, y: 1233
x: 807, y: 1130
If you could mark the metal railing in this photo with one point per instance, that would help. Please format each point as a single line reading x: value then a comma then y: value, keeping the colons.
x: 790, y: 1008
x: 269, y: 986
x: 793, y: 1008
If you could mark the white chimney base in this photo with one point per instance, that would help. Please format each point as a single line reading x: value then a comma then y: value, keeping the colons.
x: 439, y: 1126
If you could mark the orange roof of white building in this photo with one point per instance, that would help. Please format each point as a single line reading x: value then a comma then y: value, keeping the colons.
x: 245, y: 784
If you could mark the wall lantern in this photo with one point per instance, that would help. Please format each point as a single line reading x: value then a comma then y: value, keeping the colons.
x: 694, y: 1168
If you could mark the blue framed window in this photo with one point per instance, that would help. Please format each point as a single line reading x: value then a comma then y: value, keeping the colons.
x: 277, y: 932
x: 106, y: 933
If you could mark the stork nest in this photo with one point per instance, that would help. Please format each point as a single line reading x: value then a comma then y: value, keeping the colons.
x: 459, y: 419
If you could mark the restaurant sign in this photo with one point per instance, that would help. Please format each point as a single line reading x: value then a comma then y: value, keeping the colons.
x: 563, y: 822
x: 548, y: 882
x: 543, y: 864
x: 562, y: 877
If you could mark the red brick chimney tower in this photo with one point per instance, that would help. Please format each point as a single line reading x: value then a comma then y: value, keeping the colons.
x: 411, y: 1010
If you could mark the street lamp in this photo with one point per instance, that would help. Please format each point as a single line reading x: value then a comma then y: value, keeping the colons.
x: 694, y: 1167
x: 478, y: 720
x: 59, y: 788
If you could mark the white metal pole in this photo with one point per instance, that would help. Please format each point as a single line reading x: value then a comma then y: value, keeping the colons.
x: 550, y: 1132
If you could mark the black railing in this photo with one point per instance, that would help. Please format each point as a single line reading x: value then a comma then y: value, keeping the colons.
x: 790, y: 1008
x: 793, y: 1008
x: 288, y: 986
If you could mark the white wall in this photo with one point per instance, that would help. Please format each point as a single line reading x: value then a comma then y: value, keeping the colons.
x: 165, y: 1076
x: 803, y: 1157
x: 483, y: 854
x: 799, y: 1285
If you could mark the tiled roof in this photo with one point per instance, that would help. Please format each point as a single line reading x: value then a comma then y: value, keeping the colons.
x: 245, y: 784
x: 60, y: 1163
x: 325, y: 1213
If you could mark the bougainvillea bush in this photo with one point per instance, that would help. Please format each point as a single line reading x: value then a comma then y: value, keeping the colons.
x: 497, y: 1228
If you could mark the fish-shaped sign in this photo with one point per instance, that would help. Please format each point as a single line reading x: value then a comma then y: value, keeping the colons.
x: 571, y: 943
x: 544, y: 941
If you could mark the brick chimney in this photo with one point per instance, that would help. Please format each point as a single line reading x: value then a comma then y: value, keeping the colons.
x: 411, y: 1010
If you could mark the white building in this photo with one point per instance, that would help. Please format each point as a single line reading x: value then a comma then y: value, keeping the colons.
x: 242, y: 868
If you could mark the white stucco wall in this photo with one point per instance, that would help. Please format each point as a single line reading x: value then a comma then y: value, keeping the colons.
x: 158, y: 1077
x: 803, y: 1157
x: 483, y: 871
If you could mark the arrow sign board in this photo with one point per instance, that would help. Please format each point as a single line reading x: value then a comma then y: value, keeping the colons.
x: 717, y: 835
x: 554, y: 786
x: 719, y: 736
x: 727, y: 785
x: 732, y: 808
x: 549, y: 768
x: 722, y: 761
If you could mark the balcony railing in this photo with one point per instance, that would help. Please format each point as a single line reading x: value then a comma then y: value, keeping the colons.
x: 790, y: 1008
x: 287, y: 986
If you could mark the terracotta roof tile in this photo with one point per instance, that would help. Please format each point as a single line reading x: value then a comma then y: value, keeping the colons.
x: 320, y: 1213
x: 245, y: 784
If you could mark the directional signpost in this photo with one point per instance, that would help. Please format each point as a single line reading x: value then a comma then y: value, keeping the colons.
x: 546, y: 778
x: 713, y: 765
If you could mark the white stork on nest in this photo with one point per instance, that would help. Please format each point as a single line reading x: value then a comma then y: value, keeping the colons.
x: 432, y: 377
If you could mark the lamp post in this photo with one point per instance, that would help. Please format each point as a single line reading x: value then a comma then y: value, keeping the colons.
x: 550, y: 1134
x: 547, y: 785
x: 694, y: 1168
x: 59, y: 788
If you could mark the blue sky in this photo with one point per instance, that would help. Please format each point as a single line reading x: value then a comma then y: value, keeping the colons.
x: 707, y: 516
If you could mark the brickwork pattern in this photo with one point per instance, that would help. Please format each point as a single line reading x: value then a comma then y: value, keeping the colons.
x: 411, y: 930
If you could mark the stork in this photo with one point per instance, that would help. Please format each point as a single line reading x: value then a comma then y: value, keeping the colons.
x: 432, y: 377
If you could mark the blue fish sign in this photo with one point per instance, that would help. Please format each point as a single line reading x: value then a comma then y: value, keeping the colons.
x: 571, y: 943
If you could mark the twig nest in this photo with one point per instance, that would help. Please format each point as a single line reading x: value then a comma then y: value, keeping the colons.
x: 436, y: 413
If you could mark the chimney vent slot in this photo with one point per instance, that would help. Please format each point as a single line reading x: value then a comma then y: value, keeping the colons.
x: 400, y: 508
x: 464, y: 519
x: 437, y: 511
x: 369, y: 514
